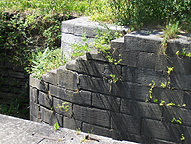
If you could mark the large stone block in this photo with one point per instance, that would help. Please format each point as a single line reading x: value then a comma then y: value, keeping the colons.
x: 143, y: 76
x: 92, y: 115
x: 168, y: 95
x: 62, y: 107
x: 139, y: 42
x: 184, y: 115
x: 50, y: 117
x: 67, y: 78
x: 106, y: 102
x: 117, y: 43
x: 35, y: 110
x: 34, y: 95
x: 182, y: 82
x: 45, y: 99
x: 93, y: 84
x: 71, y: 123
x: 141, y: 109
x: 175, y: 45
x: 125, y: 57
x: 50, y: 77
x: 187, y: 98
x: 162, y: 130
x: 187, y: 135
x: 147, y: 60
x: 181, y: 65
x: 94, y: 68
x: 125, y: 123
x: 96, y: 55
x: 39, y: 84
x: 93, y: 129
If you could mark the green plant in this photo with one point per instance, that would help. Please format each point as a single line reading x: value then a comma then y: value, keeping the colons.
x: 162, y: 103
x: 56, y: 126
x: 152, y: 85
x: 163, y: 85
x: 44, y: 62
x: 170, y: 32
x: 182, y: 137
x: 170, y: 69
x: 171, y: 104
x: 64, y: 106
x: 113, y: 79
x: 178, y: 121
x: 78, y: 131
x: 80, y: 49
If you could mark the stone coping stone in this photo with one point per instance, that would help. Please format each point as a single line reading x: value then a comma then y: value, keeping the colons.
x: 84, y: 25
x: 18, y: 131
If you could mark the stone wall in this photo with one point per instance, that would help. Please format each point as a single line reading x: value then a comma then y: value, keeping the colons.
x: 81, y: 95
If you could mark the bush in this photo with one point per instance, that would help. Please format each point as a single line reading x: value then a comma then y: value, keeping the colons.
x: 139, y: 13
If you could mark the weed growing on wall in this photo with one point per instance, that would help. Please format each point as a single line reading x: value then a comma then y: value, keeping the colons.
x: 43, y: 62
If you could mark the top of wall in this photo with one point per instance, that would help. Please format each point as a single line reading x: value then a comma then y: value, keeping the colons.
x: 84, y: 25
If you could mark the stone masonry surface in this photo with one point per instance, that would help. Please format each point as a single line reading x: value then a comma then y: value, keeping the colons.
x: 81, y: 95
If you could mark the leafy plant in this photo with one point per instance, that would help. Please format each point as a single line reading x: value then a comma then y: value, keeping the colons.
x: 56, y: 126
x: 78, y: 131
x: 170, y: 69
x: 113, y: 79
x: 152, y: 85
x: 46, y: 61
x: 179, y: 120
x: 162, y: 103
x: 182, y: 137
x: 64, y: 106
x: 171, y: 104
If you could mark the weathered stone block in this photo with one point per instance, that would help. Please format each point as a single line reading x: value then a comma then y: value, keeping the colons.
x: 35, y: 110
x: 147, y: 60
x: 105, y: 102
x: 142, y: 43
x: 91, y: 115
x: 141, y: 109
x: 50, y: 117
x: 97, y: 130
x: 182, y: 82
x: 125, y: 57
x: 148, y: 110
x: 82, y: 97
x: 184, y: 115
x: 62, y: 107
x: 50, y: 77
x: 125, y: 123
x: 162, y: 130
x: 93, y: 84
x: 39, y: 84
x: 71, y: 123
x: 34, y: 95
x: 143, y: 76
x: 175, y: 45
x: 67, y: 79
x: 94, y: 68
x: 35, y: 119
x: 181, y: 65
x: 117, y: 43
x: 45, y: 99
x: 187, y: 135
x: 168, y: 95
x: 187, y: 98
x: 95, y: 55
